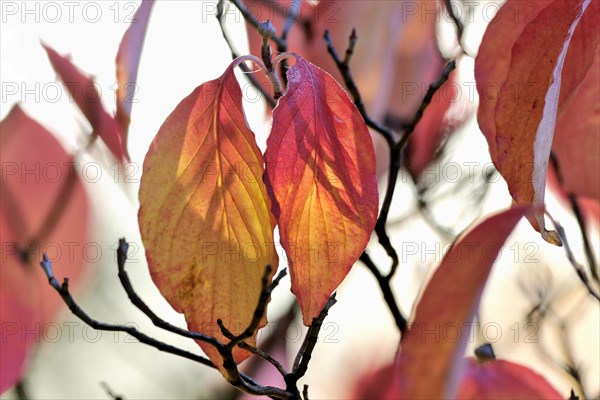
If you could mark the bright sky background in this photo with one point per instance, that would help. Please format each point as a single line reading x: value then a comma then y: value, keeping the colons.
x: 183, y: 49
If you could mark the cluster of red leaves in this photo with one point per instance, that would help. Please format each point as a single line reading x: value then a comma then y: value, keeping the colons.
x: 41, y: 212
x: 542, y: 98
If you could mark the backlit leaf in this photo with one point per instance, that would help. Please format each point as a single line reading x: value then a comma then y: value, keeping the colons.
x: 519, y: 124
x: 44, y: 209
x: 500, y: 379
x: 321, y: 178
x: 429, y: 364
x: 204, y: 213
x: 83, y: 91
x: 127, y: 62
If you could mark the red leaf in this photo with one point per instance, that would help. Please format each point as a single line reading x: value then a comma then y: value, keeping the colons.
x: 577, y: 137
x: 525, y: 112
x: 128, y: 59
x: 428, y: 366
x: 205, y: 215
x: 499, y: 379
x: 425, y: 141
x: 83, y: 91
x: 34, y: 218
x: 321, y: 177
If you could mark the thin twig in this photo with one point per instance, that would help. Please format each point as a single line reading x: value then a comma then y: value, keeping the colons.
x: 141, y: 305
x: 252, y: 349
x: 344, y: 68
x: 433, y: 88
x: 578, y: 268
x: 261, y: 307
x: 589, y: 252
x: 388, y: 294
x: 63, y: 290
x: 305, y: 353
x: 235, y: 54
x: 236, y: 378
x: 252, y: 20
x: 460, y: 29
x: 110, y: 392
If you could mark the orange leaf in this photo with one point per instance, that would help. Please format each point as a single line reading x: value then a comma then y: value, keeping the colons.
x: 128, y: 59
x: 83, y: 91
x: 499, y: 379
x: 526, y: 110
x: 321, y: 177
x: 205, y: 215
x: 44, y: 208
x: 428, y: 365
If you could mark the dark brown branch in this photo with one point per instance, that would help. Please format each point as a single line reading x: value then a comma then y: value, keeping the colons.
x: 578, y: 269
x: 63, y: 290
x: 141, y: 305
x: 252, y: 349
x: 237, y: 379
x: 252, y: 20
x: 460, y: 29
x: 344, y: 69
x: 305, y: 353
x: 433, y: 88
x: 388, y: 295
x: 260, y: 309
x: 589, y: 252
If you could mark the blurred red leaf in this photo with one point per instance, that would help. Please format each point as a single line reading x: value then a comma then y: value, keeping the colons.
x: 577, y: 139
x: 127, y: 62
x: 429, y: 134
x: 429, y: 364
x: 321, y: 177
x: 83, y: 91
x: 499, y: 379
x: 204, y: 212
x: 519, y: 123
x: 44, y: 208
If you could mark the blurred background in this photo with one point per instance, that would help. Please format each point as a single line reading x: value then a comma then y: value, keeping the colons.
x: 433, y: 203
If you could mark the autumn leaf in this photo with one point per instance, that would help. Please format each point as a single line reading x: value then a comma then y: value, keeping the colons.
x: 491, y: 380
x: 429, y: 364
x: 83, y: 91
x: 127, y: 62
x: 321, y: 177
x: 424, y: 144
x: 204, y: 212
x: 577, y: 135
x: 519, y: 122
x: 44, y: 208
x: 500, y: 379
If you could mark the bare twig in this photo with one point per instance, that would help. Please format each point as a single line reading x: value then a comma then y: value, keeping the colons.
x: 141, y: 305
x: 460, y: 29
x: 589, y: 252
x: 236, y: 378
x: 578, y: 268
x: 343, y: 66
x: 305, y: 353
x: 110, y: 392
x: 252, y: 20
x: 63, y: 290
x: 235, y: 54
x: 388, y: 295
